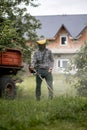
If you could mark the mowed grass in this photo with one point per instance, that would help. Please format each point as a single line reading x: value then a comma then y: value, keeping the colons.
x: 65, y: 112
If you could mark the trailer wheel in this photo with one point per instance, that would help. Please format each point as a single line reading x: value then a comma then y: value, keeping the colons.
x: 7, y: 88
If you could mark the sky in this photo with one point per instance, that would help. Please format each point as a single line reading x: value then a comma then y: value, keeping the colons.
x: 59, y: 7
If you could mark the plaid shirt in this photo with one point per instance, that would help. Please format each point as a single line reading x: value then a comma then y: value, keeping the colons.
x: 43, y: 59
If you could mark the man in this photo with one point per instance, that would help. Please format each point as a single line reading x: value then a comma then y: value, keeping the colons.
x: 43, y: 62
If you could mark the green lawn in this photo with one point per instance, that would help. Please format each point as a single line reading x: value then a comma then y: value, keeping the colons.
x: 65, y: 112
x: 58, y: 114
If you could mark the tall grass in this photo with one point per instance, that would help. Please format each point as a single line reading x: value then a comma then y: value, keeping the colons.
x: 65, y: 112
x: 29, y: 114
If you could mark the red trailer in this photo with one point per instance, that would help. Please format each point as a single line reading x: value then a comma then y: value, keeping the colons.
x: 10, y: 64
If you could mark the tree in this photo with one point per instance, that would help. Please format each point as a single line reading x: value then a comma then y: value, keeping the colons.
x: 15, y: 22
x: 81, y: 75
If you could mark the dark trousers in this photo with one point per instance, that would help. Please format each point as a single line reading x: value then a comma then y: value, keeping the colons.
x: 43, y: 73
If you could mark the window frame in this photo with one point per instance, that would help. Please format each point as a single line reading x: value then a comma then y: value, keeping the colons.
x: 61, y: 40
x: 60, y: 61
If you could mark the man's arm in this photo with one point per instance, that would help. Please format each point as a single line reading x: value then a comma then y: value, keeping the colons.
x: 33, y: 62
x: 51, y: 62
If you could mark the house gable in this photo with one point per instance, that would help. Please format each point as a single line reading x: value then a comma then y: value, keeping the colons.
x: 71, y: 44
x: 63, y: 29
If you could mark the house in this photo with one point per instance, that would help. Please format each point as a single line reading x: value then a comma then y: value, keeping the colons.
x: 66, y: 34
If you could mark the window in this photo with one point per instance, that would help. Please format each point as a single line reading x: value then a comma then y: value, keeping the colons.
x: 63, y: 40
x: 58, y: 63
x: 62, y: 63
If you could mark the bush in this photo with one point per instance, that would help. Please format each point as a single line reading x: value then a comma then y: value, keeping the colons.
x: 81, y: 75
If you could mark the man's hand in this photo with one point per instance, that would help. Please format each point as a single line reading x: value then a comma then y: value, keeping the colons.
x: 50, y: 70
x: 31, y: 69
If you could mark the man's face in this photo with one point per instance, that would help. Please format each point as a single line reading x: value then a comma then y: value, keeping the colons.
x: 41, y: 47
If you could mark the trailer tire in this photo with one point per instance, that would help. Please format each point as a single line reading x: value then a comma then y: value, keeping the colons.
x: 7, y: 88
